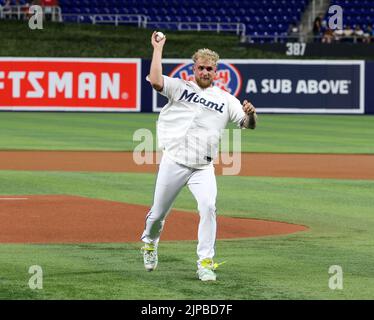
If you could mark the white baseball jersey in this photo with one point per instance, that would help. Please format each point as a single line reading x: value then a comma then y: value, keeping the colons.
x: 190, y: 124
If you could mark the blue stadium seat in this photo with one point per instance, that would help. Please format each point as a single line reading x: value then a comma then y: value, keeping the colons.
x: 261, y: 15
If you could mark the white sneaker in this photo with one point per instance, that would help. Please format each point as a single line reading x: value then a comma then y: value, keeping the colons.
x: 150, y: 256
x: 205, y: 270
x: 205, y: 274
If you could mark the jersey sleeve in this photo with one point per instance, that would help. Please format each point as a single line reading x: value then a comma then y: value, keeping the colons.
x: 172, y: 87
x: 236, y: 112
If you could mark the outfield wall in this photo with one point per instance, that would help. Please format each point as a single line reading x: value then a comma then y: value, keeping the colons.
x: 119, y: 85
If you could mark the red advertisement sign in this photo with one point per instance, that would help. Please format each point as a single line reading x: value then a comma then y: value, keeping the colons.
x: 70, y: 84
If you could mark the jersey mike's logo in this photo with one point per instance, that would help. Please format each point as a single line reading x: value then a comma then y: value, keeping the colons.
x: 228, y: 77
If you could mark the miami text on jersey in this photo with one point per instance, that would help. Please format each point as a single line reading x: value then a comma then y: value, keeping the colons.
x: 194, y: 97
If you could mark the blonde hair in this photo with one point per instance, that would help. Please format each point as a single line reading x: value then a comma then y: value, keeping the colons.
x: 206, y: 54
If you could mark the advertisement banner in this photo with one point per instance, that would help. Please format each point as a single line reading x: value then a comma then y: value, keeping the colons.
x: 284, y: 86
x: 70, y: 84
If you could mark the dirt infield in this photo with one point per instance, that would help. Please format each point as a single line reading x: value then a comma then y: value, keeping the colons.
x: 72, y: 219
x: 252, y: 164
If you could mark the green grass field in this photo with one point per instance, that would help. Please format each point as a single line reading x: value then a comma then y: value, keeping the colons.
x: 338, y: 212
x: 275, y: 133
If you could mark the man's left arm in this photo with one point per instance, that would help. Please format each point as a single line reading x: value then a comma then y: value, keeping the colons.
x: 250, y: 119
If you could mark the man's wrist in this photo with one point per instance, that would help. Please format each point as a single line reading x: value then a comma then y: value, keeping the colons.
x: 157, y: 49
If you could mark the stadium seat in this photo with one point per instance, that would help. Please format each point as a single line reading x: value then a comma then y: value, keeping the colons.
x: 262, y: 15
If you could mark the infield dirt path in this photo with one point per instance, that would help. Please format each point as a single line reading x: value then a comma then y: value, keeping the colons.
x: 72, y: 219
x: 336, y: 166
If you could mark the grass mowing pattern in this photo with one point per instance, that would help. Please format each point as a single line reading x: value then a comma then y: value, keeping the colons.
x: 339, y: 213
x: 275, y: 133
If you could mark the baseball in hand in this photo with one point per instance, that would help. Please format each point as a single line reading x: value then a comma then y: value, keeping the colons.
x: 159, y: 36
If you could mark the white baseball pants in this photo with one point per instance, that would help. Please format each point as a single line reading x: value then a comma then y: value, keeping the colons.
x: 171, y: 178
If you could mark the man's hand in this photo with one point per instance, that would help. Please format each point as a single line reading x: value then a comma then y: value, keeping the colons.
x: 250, y: 120
x: 248, y: 108
x: 157, y: 44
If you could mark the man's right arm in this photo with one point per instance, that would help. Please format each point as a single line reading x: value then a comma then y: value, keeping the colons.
x: 155, y: 75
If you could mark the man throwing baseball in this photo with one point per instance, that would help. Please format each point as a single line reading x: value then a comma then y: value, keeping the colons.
x: 188, y: 131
